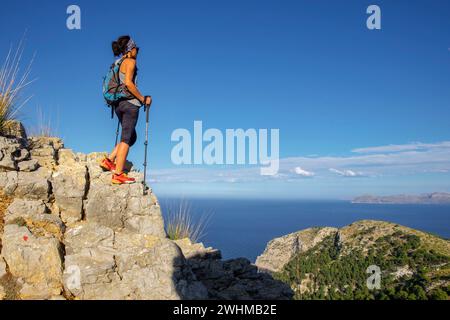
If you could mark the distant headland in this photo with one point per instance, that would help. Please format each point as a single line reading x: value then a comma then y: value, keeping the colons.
x: 425, y: 198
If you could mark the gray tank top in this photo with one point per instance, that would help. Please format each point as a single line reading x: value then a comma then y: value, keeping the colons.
x: 134, y: 101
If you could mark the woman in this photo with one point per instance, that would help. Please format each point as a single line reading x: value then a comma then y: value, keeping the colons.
x: 126, y: 110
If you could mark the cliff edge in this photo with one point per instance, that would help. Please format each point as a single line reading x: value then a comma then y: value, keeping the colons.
x: 67, y: 233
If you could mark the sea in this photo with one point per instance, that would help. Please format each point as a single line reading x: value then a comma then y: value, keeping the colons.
x: 242, y: 228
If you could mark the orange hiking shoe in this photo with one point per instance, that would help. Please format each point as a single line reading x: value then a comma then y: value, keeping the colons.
x: 122, y: 179
x: 107, y: 165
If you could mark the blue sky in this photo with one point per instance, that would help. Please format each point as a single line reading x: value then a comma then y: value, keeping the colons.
x: 312, y: 69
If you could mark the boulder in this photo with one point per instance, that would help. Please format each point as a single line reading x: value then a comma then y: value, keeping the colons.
x: 154, y: 268
x: 90, y: 267
x: 69, y: 188
x: 35, y: 259
x: 7, y: 162
x: 45, y: 150
x: 10, y: 149
x: 197, y: 250
x: 103, y: 264
x: 28, y: 166
x: 33, y: 185
x: 34, y: 215
x: 22, y: 208
x: 26, y: 185
x: 123, y: 207
x: 8, y: 182
x: 36, y: 143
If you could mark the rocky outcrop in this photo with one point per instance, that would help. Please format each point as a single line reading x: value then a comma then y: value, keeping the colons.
x: 331, y: 263
x: 234, y: 279
x: 280, y: 251
x: 70, y: 234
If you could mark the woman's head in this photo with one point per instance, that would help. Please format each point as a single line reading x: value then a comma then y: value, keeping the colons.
x: 123, y: 45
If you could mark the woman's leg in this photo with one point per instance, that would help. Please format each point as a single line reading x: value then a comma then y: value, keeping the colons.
x: 122, y: 153
x: 113, y: 154
x: 119, y: 113
x: 129, y: 121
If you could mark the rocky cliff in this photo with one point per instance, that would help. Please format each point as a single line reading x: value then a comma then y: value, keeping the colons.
x: 332, y: 263
x: 67, y: 233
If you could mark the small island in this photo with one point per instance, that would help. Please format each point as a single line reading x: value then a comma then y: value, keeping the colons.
x: 426, y: 198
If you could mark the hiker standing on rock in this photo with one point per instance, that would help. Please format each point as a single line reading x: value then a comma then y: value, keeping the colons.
x: 126, y: 106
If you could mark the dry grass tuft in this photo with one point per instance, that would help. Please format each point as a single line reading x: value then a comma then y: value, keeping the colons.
x: 181, y: 224
x: 44, y: 127
x: 12, y: 83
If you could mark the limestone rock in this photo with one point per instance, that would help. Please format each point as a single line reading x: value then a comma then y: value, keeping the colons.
x: 69, y: 188
x: 2, y: 267
x: 45, y: 150
x: 33, y: 185
x: 34, y: 215
x: 88, y: 236
x: 237, y: 279
x: 103, y: 264
x: 22, y: 155
x: 70, y: 233
x: 9, y: 151
x: 7, y: 162
x: 123, y: 207
x: 21, y: 208
x: 153, y: 268
x: 8, y: 182
x: 66, y: 157
x: 90, y: 267
x: 28, y: 166
x: 280, y: 251
x: 37, y: 260
x: 26, y: 185
x: 15, y: 129
x: 197, y: 250
x: 45, y: 142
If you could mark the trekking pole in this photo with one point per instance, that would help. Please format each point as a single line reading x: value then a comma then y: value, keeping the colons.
x: 113, y: 108
x: 146, y: 109
x: 117, y: 133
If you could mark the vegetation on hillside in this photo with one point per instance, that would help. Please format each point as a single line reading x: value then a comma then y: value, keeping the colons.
x: 411, y: 269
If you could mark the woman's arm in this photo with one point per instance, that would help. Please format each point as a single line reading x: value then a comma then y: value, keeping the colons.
x: 129, y: 66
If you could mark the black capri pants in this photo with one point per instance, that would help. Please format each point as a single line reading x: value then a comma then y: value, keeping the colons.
x: 128, y: 115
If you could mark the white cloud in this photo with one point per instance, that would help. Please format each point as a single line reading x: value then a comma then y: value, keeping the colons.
x: 302, y: 172
x: 389, y: 160
x: 403, y: 147
x: 346, y: 173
